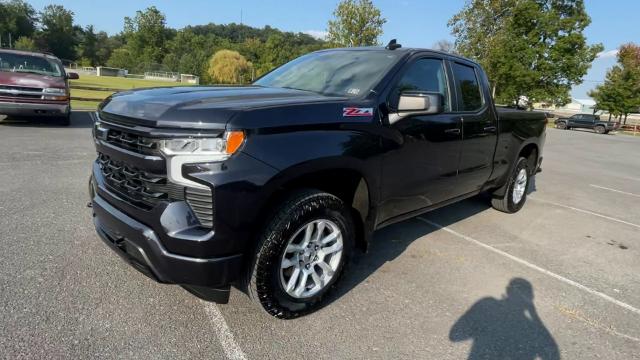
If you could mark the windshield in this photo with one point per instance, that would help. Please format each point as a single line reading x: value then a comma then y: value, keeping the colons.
x: 29, y: 64
x: 341, y: 73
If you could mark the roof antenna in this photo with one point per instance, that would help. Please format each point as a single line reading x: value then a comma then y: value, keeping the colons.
x: 392, y: 45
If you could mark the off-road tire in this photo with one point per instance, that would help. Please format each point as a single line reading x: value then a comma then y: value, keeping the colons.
x: 263, y: 283
x: 505, y: 202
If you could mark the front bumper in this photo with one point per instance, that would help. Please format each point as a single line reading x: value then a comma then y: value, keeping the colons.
x: 34, y: 109
x: 140, y: 246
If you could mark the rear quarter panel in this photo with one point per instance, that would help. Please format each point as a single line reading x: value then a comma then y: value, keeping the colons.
x: 517, y: 129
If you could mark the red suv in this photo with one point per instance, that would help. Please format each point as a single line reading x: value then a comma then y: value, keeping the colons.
x: 34, y: 85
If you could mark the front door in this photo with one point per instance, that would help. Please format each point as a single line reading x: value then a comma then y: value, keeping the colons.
x: 479, y: 128
x: 422, y: 170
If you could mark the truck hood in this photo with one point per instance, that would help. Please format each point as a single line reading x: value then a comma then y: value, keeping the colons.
x: 201, y: 107
x: 30, y: 80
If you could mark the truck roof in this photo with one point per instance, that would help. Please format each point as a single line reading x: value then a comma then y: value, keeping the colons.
x: 30, y: 53
x: 404, y: 50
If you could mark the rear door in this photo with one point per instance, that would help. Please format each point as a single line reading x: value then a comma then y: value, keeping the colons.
x: 479, y: 127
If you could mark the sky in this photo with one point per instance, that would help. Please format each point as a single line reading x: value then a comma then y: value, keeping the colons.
x: 415, y: 23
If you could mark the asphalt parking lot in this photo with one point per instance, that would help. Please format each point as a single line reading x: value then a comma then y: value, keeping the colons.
x: 559, y: 279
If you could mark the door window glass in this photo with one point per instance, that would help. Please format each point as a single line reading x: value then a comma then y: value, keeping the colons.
x: 468, y: 87
x: 425, y: 75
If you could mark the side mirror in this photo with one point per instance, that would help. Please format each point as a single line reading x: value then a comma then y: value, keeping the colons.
x: 417, y: 103
x: 73, y: 76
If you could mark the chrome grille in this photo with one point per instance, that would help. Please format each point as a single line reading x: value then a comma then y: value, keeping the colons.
x: 21, y: 92
x: 201, y: 202
x: 132, y: 142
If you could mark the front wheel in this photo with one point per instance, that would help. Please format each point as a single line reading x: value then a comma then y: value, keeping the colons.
x: 561, y: 126
x: 512, y: 196
x: 600, y: 129
x: 64, y: 120
x: 301, y: 254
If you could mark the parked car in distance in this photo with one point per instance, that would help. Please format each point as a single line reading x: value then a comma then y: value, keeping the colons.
x: 586, y: 121
x: 271, y: 187
x: 34, y: 85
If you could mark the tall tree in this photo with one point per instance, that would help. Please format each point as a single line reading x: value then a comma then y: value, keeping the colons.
x: 146, y: 35
x: 58, y: 33
x: 88, y: 47
x: 620, y: 93
x: 228, y: 67
x: 356, y: 23
x: 529, y: 48
x: 17, y: 19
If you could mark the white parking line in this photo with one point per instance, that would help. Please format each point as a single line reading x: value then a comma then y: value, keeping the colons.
x: 229, y: 345
x: 533, y: 266
x: 614, y: 190
x: 585, y: 212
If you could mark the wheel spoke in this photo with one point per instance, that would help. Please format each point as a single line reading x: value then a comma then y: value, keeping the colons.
x: 316, y: 279
x: 307, y: 235
x: 320, y: 230
x: 326, y: 269
x: 287, y: 263
x: 329, y: 238
x: 294, y: 248
x: 302, y: 285
x: 331, y: 249
x: 293, y: 279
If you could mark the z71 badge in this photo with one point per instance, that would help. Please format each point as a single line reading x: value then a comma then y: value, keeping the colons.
x: 354, y: 111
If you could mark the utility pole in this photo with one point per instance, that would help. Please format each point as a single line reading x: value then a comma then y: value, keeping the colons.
x: 9, y: 40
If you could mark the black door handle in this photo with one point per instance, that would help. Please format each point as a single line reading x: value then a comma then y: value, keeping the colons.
x: 455, y: 131
x: 490, y: 129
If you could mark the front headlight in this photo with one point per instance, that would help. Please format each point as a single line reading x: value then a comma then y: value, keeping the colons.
x: 198, y: 150
x: 57, y: 91
x: 55, y: 94
x: 204, y: 147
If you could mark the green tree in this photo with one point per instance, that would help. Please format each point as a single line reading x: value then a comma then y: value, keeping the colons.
x: 88, y: 47
x: 530, y: 48
x: 58, y: 33
x: 228, y: 67
x: 620, y: 93
x: 25, y: 43
x: 105, y: 45
x: 121, y: 58
x: 356, y: 23
x: 146, y: 35
x: 17, y: 19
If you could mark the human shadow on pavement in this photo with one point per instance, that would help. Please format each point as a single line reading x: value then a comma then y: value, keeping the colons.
x: 79, y: 119
x: 390, y: 242
x: 506, y: 328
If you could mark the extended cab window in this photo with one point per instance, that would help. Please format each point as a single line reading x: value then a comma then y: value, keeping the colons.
x: 424, y: 75
x: 468, y: 87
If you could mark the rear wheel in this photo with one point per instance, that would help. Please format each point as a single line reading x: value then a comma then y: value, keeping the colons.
x: 301, y: 254
x: 513, y: 195
x: 600, y: 129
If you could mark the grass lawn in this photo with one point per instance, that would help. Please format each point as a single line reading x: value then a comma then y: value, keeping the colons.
x: 107, y: 82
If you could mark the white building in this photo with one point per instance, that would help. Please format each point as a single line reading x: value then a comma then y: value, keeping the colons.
x: 585, y: 106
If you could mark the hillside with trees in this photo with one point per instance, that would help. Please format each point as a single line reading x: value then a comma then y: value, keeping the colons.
x: 146, y: 43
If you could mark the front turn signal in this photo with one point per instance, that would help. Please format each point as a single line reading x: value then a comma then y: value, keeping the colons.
x: 234, y: 141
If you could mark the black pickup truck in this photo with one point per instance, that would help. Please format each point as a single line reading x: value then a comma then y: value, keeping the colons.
x: 585, y: 121
x: 271, y: 187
